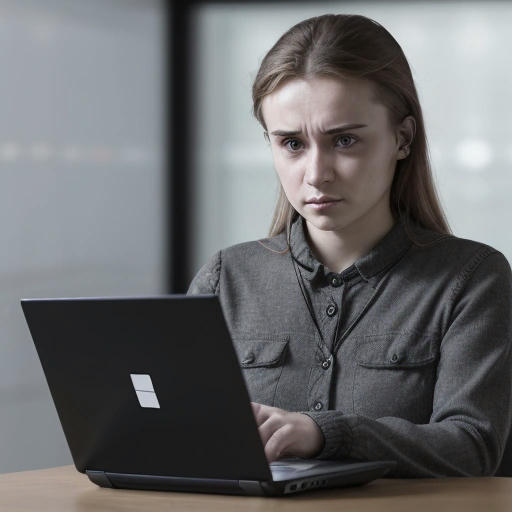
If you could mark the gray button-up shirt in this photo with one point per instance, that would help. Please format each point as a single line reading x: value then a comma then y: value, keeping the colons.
x: 405, y: 355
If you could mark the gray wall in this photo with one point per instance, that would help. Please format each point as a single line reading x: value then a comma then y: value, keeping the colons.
x: 459, y: 53
x: 81, y: 197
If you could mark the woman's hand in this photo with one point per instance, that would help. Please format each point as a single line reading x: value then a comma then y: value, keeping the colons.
x: 287, y: 434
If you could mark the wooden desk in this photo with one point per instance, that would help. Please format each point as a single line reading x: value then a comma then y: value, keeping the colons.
x: 64, y: 489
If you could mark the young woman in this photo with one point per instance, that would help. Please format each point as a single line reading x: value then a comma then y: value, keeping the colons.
x: 364, y: 328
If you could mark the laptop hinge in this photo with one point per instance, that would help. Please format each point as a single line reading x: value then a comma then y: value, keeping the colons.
x: 99, y: 478
x: 251, y: 487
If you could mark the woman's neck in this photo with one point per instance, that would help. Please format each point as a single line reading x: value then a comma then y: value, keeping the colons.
x: 339, y: 249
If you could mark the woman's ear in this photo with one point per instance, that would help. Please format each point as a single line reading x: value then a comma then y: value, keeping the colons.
x: 405, y: 135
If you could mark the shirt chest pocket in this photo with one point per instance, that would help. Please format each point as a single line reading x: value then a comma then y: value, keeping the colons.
x: 395, y: 376
x: 261, y: 360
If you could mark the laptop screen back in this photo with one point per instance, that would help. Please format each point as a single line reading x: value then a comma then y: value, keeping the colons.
x: 148, y: 386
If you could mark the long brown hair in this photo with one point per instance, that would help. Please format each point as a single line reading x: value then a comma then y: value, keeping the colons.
x: 353, y: 46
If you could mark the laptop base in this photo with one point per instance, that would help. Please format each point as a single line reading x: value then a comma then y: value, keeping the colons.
x: 241, y: 487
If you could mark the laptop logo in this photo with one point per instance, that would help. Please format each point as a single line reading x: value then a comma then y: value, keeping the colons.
x: 145, y: 390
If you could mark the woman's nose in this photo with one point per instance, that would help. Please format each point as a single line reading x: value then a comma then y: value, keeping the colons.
x: 319, y: 167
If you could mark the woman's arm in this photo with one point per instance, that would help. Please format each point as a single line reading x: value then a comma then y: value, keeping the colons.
x: 471, y: 410
x: 207, y: 279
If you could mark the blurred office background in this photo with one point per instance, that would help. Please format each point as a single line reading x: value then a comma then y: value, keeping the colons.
x: 459, y: 53
x: 81, y: 197
x: 89, y: 147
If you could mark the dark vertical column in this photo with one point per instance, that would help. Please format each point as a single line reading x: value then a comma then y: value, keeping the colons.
x: 179, y: 54
x: 180, y: 102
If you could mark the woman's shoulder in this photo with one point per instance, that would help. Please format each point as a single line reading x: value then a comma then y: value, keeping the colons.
x: 456, y: 252
x: 426, y: 239
x: 238, y: 260
x: 254, y: 249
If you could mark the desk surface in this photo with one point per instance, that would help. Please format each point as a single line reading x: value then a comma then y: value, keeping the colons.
x: 64, y: 489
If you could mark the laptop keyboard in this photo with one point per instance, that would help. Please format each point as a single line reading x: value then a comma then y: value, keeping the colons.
x: 291, y: 465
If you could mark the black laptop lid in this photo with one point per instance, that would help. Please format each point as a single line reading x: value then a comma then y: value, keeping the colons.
x: 148, y: 386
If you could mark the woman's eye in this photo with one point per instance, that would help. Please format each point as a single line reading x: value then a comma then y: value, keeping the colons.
x: 292, y: 144
x: 344, y: 141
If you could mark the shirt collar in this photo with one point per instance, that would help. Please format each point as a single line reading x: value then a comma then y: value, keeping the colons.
x: 386, y: 252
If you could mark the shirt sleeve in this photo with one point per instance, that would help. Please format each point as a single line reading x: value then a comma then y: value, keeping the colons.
x: 207, y: 279
x: 472, y: 408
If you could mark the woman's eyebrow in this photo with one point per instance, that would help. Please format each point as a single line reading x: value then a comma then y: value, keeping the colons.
x: 330, y: 131
x: 284, y: 133
x: 344, y: 127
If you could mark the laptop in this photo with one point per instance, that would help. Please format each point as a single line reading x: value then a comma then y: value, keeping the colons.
x: 150, y: 395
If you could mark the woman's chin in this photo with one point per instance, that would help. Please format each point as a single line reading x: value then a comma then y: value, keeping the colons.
x: 326, y: 223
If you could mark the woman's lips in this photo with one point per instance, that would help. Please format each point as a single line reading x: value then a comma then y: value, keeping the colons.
x: 324, y: 205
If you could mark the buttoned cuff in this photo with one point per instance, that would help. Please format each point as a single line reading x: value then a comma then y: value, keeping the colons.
x: 338, y: 434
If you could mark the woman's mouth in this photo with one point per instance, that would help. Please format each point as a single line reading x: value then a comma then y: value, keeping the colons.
x: 323, y: 205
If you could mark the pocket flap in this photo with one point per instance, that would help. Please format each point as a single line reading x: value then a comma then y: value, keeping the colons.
x: 396, y: 350
x: 253, y: 353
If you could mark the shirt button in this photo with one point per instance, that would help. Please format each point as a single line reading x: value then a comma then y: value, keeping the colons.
x: 335, y: 281
x: 394, y: 358
x: 318, y: 406
x: 326, y: 364
x: 331, y: 310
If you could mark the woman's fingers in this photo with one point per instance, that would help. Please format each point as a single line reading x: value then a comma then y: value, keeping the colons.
x: 274, y: 428
x: 286, y: 433
x: 269, y: 419
x: 275, y: 448
x: 274, y: 422
x: 261, y: 412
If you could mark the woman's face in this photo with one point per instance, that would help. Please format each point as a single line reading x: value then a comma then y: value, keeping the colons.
x: 331, y: 140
